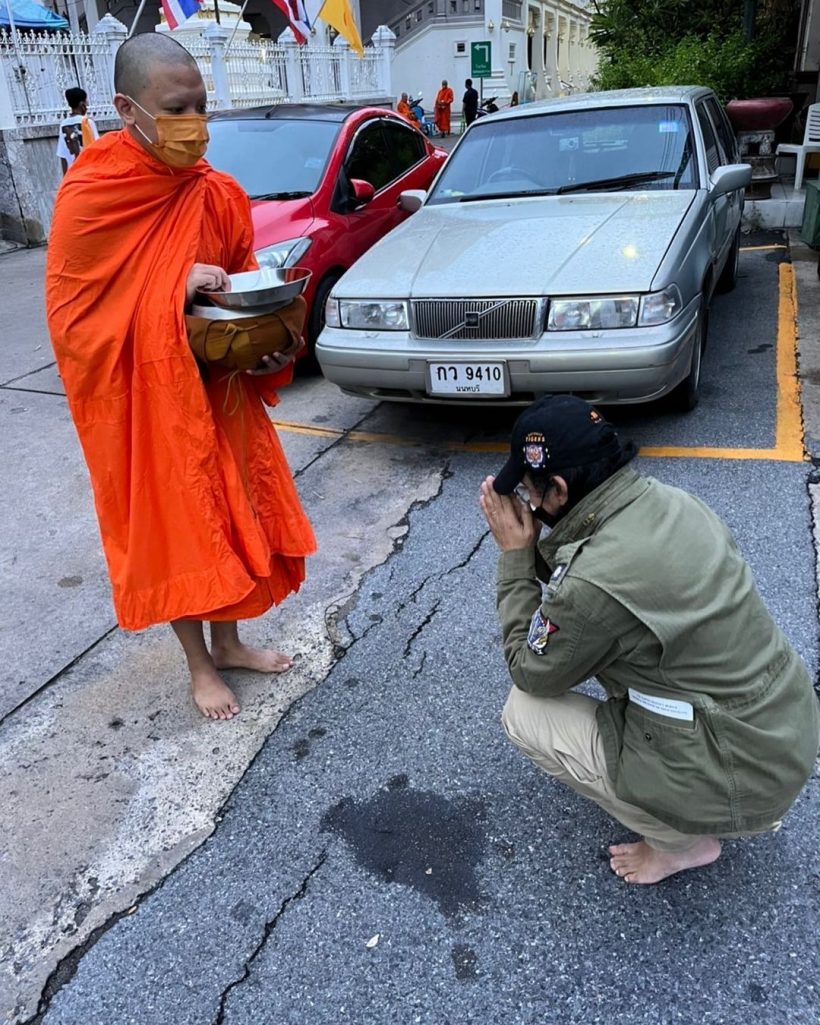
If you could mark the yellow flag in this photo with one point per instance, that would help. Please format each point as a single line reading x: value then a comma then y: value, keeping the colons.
x: 338, y: 15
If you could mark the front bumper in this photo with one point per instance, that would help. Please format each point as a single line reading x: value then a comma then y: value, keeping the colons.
x: 623, y: 366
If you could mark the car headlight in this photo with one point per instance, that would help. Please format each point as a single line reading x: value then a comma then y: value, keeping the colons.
x: 659, y: 307
x: 362, y: 315
x: 593, y: 314
x: 283, y: 254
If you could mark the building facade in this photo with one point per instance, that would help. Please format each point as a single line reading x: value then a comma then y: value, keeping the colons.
x: 538, y: 48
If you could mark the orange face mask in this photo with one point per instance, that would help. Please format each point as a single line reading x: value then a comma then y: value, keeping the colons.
x: 181, y: 138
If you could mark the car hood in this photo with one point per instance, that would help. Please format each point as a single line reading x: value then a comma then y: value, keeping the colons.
x: 555, y: 245
x: 275, y: 220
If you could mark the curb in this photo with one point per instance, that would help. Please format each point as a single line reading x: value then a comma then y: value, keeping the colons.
x: 805, y: 262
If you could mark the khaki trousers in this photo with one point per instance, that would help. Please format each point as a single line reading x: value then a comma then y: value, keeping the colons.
x: 561, y: 736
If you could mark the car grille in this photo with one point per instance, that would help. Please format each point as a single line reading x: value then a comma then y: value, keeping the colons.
x: 490, y: 319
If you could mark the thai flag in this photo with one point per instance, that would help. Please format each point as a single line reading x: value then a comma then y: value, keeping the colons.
x: 178, y: 11
x: 298, y: 18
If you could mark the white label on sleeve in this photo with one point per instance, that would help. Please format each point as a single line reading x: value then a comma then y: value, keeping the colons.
x: 663, y: 706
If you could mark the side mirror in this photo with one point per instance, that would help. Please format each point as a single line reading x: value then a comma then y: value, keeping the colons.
x: 730, y: 178
x: 363, y: 192
x: 412, y: 200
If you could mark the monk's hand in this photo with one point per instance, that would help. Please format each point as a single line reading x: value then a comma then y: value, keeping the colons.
x: 206, y: 277
x: 511, y: 522
x: 276, y: 362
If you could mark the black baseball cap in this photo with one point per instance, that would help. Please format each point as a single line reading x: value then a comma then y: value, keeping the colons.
x: 557, y: 432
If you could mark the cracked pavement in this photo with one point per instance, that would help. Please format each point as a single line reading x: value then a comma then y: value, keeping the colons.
x: 364, y: 845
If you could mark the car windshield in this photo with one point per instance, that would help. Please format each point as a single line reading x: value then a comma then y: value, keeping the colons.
x: 601, y: 150
x: 272, y: 159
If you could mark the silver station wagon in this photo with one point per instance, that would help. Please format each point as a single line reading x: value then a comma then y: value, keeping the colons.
x: 572, y: 245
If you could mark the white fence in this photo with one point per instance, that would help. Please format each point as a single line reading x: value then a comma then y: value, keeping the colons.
x: 38, y: 68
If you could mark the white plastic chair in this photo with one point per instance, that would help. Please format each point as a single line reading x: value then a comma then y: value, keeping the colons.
x: 810, y: 144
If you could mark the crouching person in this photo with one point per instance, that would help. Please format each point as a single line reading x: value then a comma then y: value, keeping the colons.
x: 710, y: 728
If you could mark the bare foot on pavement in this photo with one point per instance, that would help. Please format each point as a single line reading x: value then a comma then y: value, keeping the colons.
x: 640, y: 863
x: 259, y: 660
x: 211, y: 696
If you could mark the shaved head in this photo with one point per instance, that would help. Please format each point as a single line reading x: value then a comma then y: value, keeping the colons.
x: 155, y: 77
x: 138, y: 58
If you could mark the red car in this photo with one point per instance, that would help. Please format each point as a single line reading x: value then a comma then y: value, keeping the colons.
x: 324, y: 183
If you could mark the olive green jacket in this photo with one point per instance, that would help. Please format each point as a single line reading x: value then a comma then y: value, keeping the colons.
x: 645, y: 589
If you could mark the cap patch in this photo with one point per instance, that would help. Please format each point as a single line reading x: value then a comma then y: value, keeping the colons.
x: 535, y: 450
x: 595, y: 416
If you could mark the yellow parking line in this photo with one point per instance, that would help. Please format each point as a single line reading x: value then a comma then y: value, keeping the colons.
x: 789, y: 429
x: 762, y: 249
x: 788, y: 445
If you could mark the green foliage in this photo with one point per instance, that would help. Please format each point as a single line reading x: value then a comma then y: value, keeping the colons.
x: 695, y: 42
x: 650, y: 26
x: 732, y: 67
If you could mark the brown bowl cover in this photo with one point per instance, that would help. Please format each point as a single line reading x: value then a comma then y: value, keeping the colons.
x: 240, y: 344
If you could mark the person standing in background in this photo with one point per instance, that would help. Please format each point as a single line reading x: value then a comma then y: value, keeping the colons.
x: 76, y: 131
x: 444, y: 101
x: 469, y: 105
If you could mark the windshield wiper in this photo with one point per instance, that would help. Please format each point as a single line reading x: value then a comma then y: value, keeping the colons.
x: 475, y: 196
x: 282, y: 195
x: 624, y: 180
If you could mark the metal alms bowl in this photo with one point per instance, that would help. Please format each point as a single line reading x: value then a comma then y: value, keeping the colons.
x: 219, y: 313
x: 263, y: 287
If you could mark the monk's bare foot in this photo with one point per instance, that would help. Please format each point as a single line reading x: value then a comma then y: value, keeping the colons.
x: 259, y: 660
x: 212, y: 697
x: 640, y: 863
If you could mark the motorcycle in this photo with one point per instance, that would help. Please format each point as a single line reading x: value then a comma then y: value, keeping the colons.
x: 488, y: 106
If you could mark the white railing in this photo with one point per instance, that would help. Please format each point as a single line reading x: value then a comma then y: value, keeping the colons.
x: 38, y: 69
x: 257, y: 73
x: 320, y: 73
x: 366, y: 74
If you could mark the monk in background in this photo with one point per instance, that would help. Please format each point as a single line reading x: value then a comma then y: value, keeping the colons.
x: 403, y: 108
x: 444, y: 101
x: 199, y: 516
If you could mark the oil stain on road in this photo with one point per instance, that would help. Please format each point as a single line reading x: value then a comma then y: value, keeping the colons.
x: 420, y: 839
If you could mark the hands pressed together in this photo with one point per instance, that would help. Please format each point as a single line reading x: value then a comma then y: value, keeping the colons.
x: 511, y: 522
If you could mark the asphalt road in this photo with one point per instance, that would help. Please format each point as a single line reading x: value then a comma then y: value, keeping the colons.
x: 387, y: 856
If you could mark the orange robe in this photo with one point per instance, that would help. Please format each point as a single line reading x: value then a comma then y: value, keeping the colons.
x: 403, y: 108
x: 444, y: 100
x: 197, y: 508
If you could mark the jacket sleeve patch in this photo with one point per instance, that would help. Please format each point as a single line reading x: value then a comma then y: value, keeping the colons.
x: 541, y: 629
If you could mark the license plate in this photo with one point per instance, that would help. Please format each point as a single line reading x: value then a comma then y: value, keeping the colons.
x: 464, y: 380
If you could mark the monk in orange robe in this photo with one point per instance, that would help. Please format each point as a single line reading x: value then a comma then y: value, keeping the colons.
x: 197, y: 508
x: 403, y: 108
x: 444, y: 101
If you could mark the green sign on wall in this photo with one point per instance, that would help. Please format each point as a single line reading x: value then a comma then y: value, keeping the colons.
x: 481, y: 60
